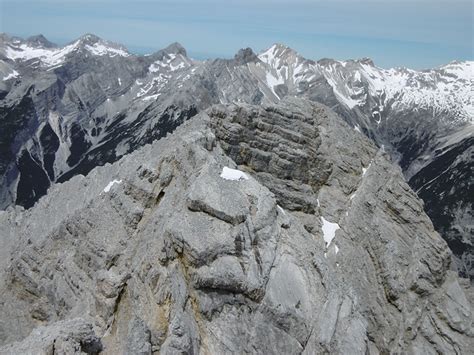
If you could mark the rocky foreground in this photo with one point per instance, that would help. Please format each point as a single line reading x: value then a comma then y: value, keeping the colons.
x: 271, y: 229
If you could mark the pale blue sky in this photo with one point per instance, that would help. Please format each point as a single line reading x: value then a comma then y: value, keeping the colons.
x: 416, y: 33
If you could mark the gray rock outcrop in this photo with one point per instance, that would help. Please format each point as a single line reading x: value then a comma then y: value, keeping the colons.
x: 322, y: 248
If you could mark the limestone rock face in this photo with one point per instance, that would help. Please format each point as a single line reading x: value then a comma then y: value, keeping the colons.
x: 322, y: 249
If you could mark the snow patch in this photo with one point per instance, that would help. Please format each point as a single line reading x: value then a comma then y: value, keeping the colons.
x: 100, y: 49
x: 181, y: 65
x: 329, y: 230
x: 169, y: 63
x: 273, y: 81
x: 12, y: 75
x: 112, y: 183
x: 233, y: 174
x: 50, y: 57
x: 151, y: 97
x: 154, y: 67
x: 357, y: 76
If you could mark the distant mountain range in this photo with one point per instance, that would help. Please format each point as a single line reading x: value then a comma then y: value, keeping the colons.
x: 65, y: 110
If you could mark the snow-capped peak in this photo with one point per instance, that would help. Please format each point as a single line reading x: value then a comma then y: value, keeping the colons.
x: 459, y: 70
x: 285, y: 66
x: 48, y: 55
x: 277, y: 55
x: 100, y: 47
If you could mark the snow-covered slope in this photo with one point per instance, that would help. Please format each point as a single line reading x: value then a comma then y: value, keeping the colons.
x: 359, y: 83
x: 446, y: 89
x: 49, y: 56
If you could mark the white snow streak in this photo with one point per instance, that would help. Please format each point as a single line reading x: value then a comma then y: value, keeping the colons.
x: 101, y: 49
x: 233, y: 174
x: 112, y: 183
x: 281, y: 209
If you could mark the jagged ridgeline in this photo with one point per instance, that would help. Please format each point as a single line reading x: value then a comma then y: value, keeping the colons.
x: 264, y: 216
x: 273, y: 229
x: 65, y: 110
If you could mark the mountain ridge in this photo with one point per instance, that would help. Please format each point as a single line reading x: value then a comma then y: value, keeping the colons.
x: 86, y: 107
x: 367, y: 60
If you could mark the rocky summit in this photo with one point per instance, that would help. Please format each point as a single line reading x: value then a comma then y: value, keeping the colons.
x: 272, y: 229
x: 66, y: 109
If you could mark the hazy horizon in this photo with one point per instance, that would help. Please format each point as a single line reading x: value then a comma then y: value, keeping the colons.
x: 417, y: 34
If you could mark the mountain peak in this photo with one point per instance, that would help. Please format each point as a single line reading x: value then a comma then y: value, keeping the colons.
x: 367, y: 61
x: 279, y: 50
x: 175, y: 48
x: 245, y: 55
x: 40, y: 41
x: 280, y: 47
x: 279, y: 54
x: 89, y: 39
x: 99, y: 46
